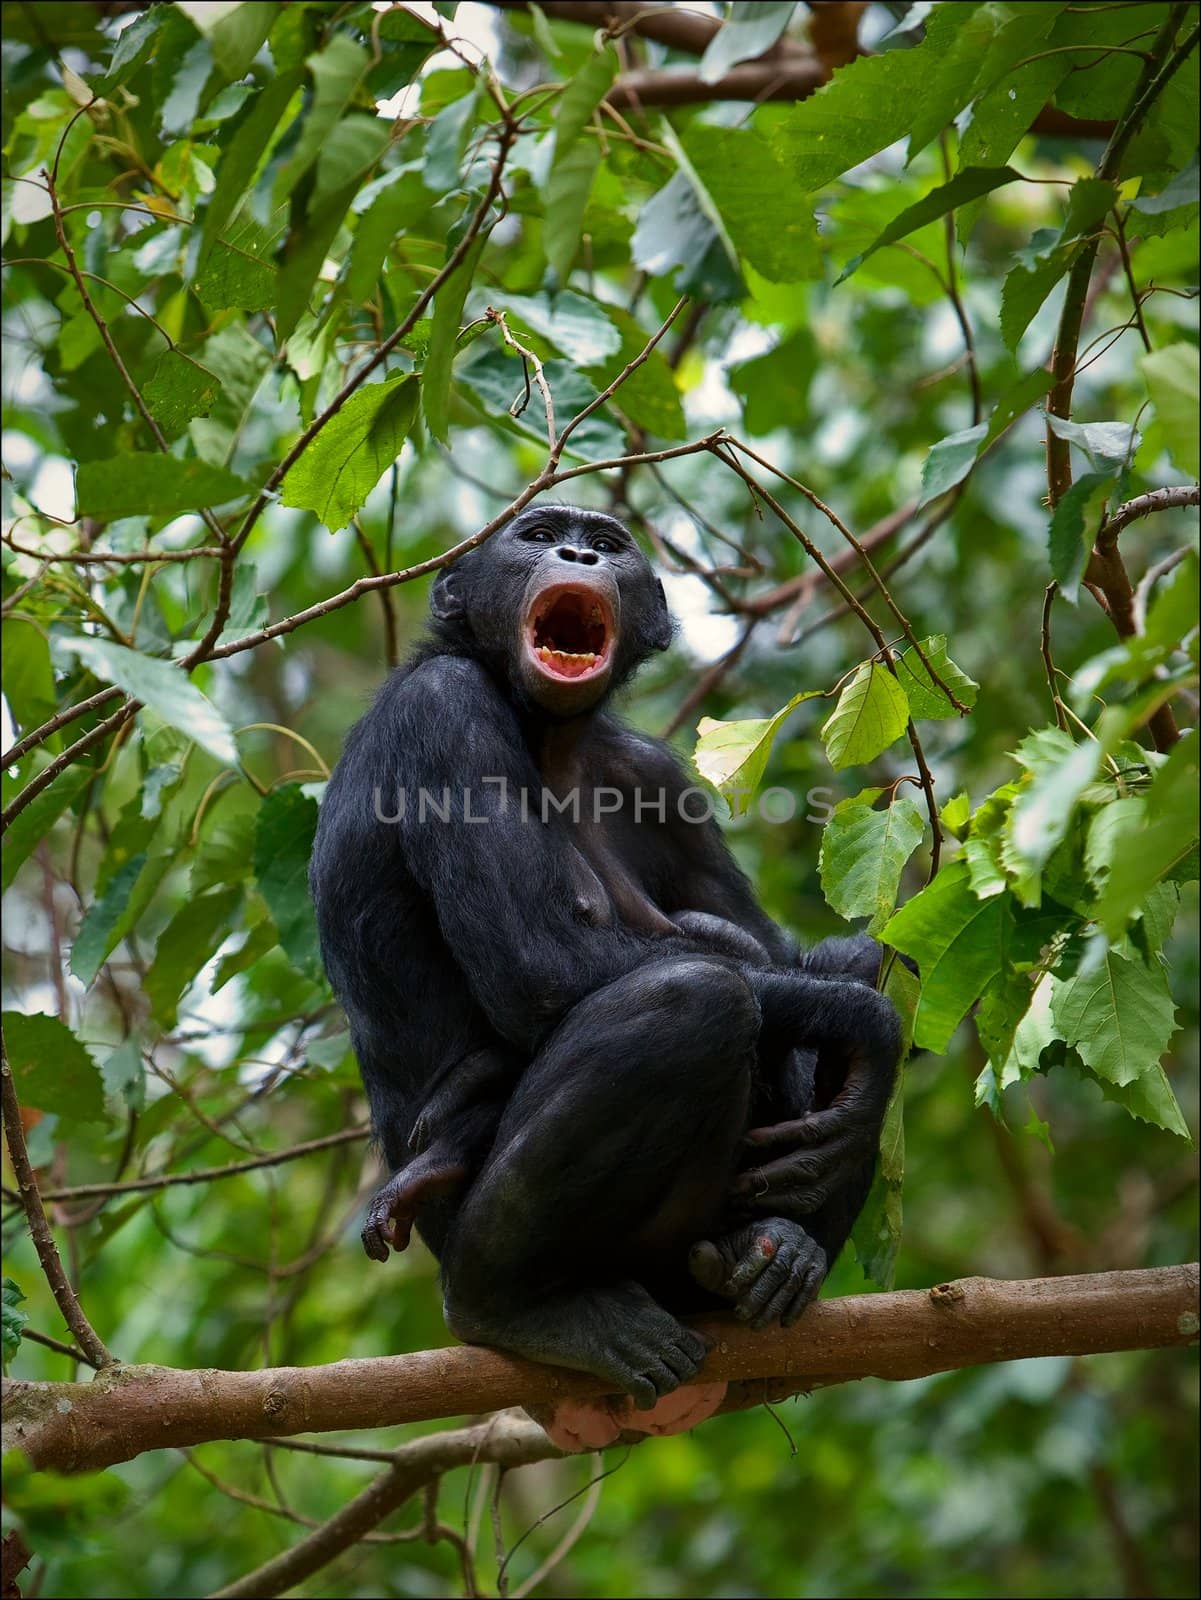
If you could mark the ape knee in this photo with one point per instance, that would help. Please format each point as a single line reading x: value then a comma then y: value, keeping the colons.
x: 706, y: 996
x: 705, y: 1007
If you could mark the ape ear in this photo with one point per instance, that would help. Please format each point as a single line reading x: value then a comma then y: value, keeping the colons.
x: 447, y: 600
x: 663, y: 624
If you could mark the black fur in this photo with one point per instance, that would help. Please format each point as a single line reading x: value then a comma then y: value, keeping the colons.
x: 575, y: 1024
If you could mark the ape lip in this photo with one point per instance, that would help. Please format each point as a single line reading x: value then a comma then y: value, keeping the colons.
x: 569, y: 632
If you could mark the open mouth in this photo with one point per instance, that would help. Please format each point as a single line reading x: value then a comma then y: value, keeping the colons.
x: 569, y: 633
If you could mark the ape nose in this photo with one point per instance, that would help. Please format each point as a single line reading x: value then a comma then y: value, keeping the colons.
x: 569, y: 552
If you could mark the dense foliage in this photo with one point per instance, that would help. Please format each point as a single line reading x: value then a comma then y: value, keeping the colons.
x: 899, y: 380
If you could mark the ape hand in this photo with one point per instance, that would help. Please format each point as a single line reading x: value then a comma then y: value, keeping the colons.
x: 771, y: 1270
x: 814, y: 1156
x: 393, y: 1209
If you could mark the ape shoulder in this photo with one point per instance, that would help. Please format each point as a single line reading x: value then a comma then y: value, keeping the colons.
x: 642, y: 758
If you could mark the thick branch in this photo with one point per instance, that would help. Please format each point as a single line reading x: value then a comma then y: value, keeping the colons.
x: 70, y: 1427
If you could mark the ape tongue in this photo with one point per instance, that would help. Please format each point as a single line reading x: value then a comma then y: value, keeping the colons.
x: 570, y: 636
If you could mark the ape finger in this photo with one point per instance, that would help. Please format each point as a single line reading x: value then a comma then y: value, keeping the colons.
x: 774, y: 1277
x: 776, y: 1306
x: 807, y: 1291
x: 762, y: 1253
x: 707, y: 1267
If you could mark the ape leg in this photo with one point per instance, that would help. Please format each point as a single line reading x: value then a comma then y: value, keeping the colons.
x: 619, y: 1144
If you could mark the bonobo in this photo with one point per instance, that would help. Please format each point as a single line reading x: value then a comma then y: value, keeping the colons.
x: 628, y: 1093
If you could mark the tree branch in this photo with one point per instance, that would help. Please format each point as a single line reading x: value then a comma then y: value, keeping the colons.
x: 69, y: 1427
x: 1142, y: 506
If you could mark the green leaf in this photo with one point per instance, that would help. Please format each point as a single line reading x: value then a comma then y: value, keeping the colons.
x: 162, y: 687
x: 863, y: 853
x: 238, y: 273
x: 1150, y: 1098
x: 132, y: 47
x: 51, y: 1069
x: 347, y: 156
x: 444, y: 335
x: 495, y: 377
x: 347, y: 459
x: 574, y: 161
x: 1002, y: 115
x: 32, y: 825
x: 141, y: 483
x: 1044, y: 810
x: 876, y: 1235
x: 871, y: 713
x: 235, y: 32
x: 1016, y: 401
x: 283, y: 842
x: 1119, y: 1017
x: 386, y: 209
x: 192, y: 936
x: 732, y: 756
x: 1109, y: 446
x: 125, y: 1076
x: 242, y: 159
x: 926, y: 699
x: 871, y: 104
x: 579, y: 328
x: 447, y: 142
x: 100, y: 930
x: 1173, y: 377
x: 1029, y: 283
x: 956, y: 814
x: 308, y: 245
x: 959, y: 944
x: 775, y: 387
x: 649, y: 396
x: 187, y: 87
x: 748, y: 192
x: 950, y: 461
x: 1074, y: 523
x: 12, y: 1321
x: 750, y: 29
x: 1149, y: 839
x: 970, y: 184
x: 179, y: 389
x: 28, y: 675
x: 675, y: 231
x: 336, y: 71
x: 260, y: 941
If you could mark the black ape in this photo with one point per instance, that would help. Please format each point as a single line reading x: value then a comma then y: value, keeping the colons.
x: 563, y: 994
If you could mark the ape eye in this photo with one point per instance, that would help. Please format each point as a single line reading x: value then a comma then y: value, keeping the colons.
x: 539, y: 536
x: 605, y: 545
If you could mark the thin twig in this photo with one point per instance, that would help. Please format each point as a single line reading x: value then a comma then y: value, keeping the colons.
x: 1142, y: 506
x: 167, y: 1180
x: 1048, y: 660
x: 95, y: 1352
x: 527, y: 356
x: 861, y: 551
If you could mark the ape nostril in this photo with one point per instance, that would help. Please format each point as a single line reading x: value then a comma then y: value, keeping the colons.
x: 566, y: 553
x: 588, y: 557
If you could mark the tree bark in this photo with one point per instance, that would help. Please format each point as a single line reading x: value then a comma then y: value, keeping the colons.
x: 124, y: 1411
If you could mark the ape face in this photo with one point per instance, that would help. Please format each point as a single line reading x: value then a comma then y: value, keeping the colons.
x: 563, y: 601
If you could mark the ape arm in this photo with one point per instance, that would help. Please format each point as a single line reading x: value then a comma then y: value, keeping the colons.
x: 498, y: 875
x: 828, y: 1149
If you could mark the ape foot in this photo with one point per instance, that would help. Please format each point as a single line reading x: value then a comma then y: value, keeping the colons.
x: 393, y: 1209
x: 771, y: 1270
x: 576, y: 1425
x: 618, y: 1334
